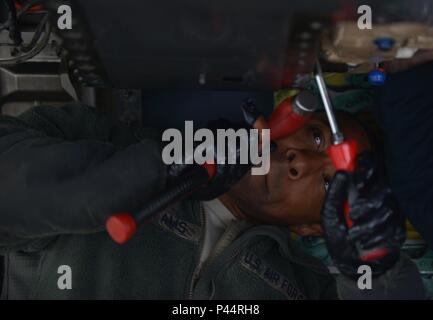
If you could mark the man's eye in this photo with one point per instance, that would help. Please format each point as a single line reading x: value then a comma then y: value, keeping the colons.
x: 326, y: 183
x: 317, y: 136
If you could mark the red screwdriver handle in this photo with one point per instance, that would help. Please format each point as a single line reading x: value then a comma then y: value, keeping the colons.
x: 284, y: 121
x: 343, y: 156
x: 122, y: 226
x: 346, y: 210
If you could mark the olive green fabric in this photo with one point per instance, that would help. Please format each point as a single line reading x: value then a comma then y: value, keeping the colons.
x: 63, y: 171
x: 159, y: 263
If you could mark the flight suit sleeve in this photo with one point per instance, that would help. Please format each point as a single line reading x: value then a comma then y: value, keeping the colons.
x: 62, y: 173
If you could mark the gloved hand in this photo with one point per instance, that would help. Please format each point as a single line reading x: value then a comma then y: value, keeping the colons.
x: 226, y: 174
x: 377, y: 222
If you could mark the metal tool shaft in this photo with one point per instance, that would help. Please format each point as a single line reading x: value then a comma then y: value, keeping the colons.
x: 337, y: 136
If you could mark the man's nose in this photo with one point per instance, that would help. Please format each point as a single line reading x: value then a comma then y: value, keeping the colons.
x: 303, y: 163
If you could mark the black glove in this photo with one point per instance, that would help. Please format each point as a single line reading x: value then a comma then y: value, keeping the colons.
x: 378, y: 225
x: 226, y: 174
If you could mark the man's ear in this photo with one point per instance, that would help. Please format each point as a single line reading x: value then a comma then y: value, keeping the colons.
x: 308, y: 230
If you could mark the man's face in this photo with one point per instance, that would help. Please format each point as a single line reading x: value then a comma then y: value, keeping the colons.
x: 293, y: 191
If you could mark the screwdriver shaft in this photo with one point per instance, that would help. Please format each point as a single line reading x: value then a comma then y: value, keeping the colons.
x: 337, y: 136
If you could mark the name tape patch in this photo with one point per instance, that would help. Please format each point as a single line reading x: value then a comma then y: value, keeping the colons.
x: 181, y: 228
x: 272, y: 277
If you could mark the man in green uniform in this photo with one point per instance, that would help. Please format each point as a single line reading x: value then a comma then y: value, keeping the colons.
x: 63, y: 171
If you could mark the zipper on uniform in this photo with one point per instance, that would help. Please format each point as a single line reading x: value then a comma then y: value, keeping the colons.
x: 234, y: 254
x: 211, y: 259
x: 198, y: 265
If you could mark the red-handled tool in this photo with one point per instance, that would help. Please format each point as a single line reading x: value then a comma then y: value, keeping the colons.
x: 31, y: 8
x: 291, y: 114
x: 123, y: 225
x: 343, y: 155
